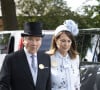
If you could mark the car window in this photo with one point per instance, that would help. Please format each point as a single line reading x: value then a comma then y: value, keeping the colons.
x: 46, y: 42
x: 88, y: 45
x: 83, y: 42
x: 4, y: 40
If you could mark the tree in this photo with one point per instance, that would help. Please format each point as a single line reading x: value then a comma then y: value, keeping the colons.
x: 92, y: 15
x: 50, y: 12
x: 34, y: 7
x: 9, y: 14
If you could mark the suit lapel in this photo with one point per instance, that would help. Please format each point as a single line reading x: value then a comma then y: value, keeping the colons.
x: 25, y: 67
x: 40, y: 72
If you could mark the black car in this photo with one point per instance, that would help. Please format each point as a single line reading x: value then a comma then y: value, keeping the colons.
x: 90, y: 58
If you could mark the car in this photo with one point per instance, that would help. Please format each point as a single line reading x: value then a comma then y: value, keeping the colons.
x: 88, y: 45
x: 90, y: 58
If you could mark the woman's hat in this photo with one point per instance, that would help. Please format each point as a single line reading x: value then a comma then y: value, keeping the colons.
x: 68, y: 25
x: 32, y: 29
x: 59, y: 29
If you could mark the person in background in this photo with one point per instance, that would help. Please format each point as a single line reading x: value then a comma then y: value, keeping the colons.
x: 65, y: 58
x: 28, y: 68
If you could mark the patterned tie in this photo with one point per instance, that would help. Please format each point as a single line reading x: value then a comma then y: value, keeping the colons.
x: 33, y: 63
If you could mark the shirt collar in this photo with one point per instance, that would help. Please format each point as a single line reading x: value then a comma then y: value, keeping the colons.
x: 57, y: 54
x: 29, y: 54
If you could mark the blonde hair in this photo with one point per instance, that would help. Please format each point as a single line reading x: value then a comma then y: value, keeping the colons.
x: 73, y: 50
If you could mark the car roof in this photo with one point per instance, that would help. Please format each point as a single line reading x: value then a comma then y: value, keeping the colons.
x: 90, y: 31
x: 20, y: 31
x: 3, y: 32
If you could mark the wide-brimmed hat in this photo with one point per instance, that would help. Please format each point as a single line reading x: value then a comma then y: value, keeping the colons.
x: 32, y: 29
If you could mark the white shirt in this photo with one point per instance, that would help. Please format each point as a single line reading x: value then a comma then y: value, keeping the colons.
x: 29, y: 59
x: 64, y: 72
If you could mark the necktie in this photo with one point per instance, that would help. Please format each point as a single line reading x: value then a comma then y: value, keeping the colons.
x: 33, y: 63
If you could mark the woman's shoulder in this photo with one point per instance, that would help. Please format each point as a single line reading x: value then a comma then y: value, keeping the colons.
x: 77, y: 56
x: 76, y: 60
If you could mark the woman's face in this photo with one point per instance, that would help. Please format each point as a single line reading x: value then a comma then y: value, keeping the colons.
x: 32, y: 44
x: 63, y: 43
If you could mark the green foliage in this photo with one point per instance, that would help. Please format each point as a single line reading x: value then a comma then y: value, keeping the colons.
x: 34, y: 7
x: 50, y: 12
x: 92, y: 14
x: 54, y: 12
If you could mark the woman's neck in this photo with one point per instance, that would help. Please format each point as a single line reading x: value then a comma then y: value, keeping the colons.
x: 63, y: 53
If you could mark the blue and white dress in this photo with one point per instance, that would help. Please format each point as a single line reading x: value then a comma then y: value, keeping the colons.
x: 64, y: 72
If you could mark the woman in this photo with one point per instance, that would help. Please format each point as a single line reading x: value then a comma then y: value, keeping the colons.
x: 65, y: 58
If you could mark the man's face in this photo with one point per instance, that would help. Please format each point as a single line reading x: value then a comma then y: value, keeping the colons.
x: 32, y: 43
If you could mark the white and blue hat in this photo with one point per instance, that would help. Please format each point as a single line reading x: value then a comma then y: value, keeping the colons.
x: 68, y: 25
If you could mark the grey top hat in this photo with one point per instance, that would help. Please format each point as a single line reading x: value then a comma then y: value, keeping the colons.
x: 32, y: 29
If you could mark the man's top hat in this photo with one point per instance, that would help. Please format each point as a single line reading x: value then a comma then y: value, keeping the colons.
x: 32, y: 29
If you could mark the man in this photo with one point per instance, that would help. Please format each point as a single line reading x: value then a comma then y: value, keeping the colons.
x: 28, y: 68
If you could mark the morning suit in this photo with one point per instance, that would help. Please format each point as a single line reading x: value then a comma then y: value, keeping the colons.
x: 16, y: 75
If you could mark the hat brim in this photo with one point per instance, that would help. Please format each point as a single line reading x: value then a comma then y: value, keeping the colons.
x: 26, y: 34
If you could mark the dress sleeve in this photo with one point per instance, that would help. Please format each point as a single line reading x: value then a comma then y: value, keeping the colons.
x: 77, y: 85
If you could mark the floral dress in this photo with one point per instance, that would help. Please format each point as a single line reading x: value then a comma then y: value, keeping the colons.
x: 64, y: 73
